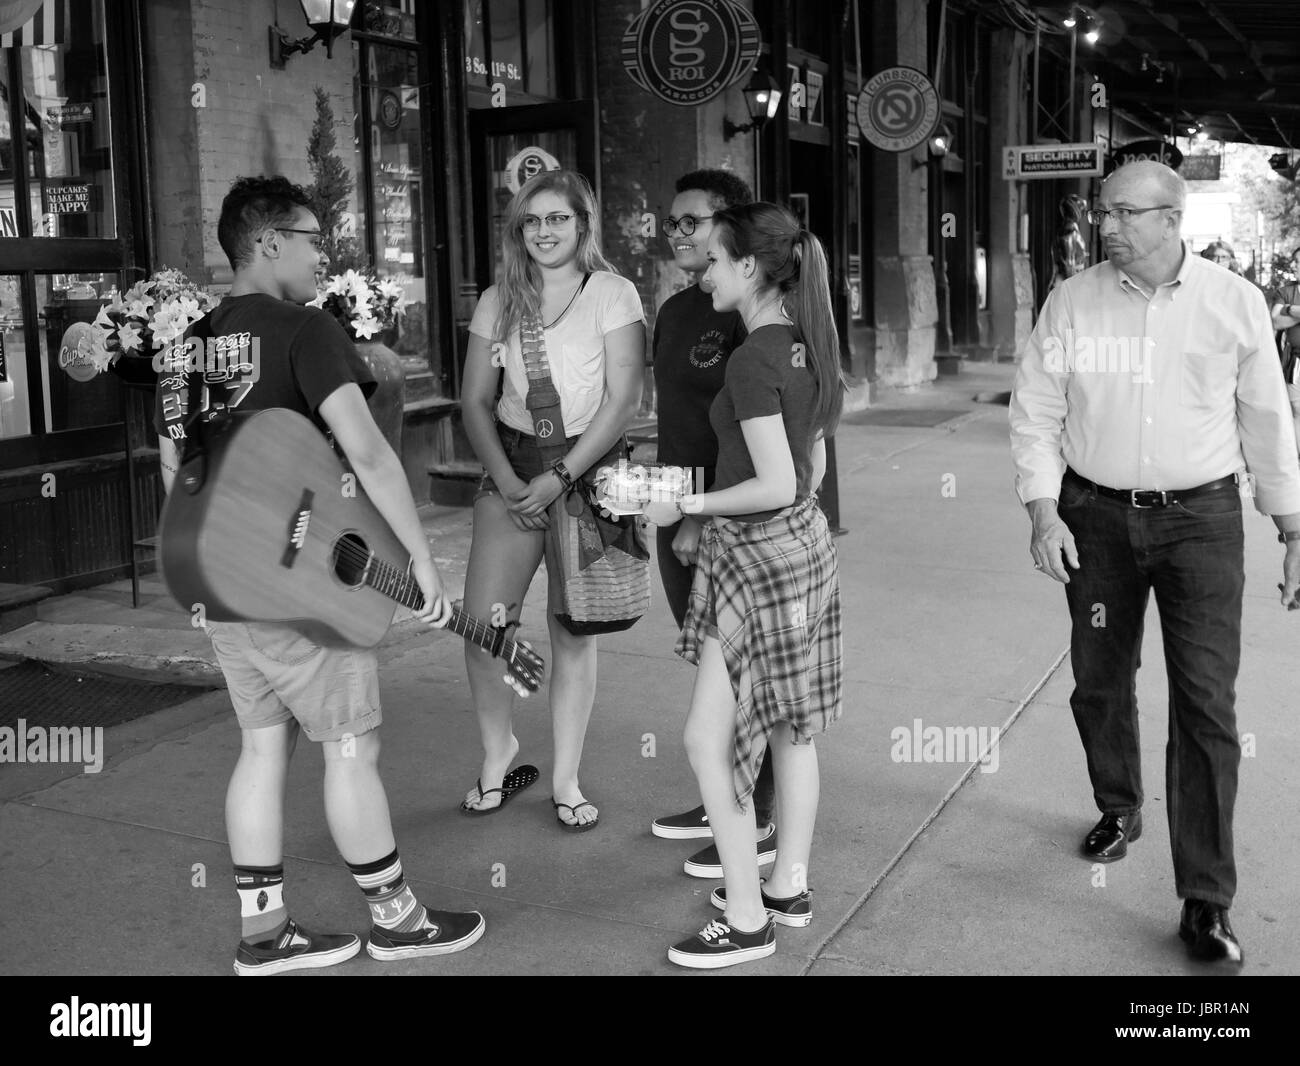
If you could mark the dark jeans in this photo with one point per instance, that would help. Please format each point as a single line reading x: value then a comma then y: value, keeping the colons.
x: 677, y: 588
x: 1191, y: 555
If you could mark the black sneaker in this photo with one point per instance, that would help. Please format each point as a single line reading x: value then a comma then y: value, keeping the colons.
x: 794, y: 911
x: 452, y: 931
x: 689, y: 826
x: 706, y: 863
x: 295, y: 949
x: 717, y: 944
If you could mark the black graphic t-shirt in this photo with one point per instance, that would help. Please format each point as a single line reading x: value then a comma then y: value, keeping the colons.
x: 263, y: 353
x: 692, y: 343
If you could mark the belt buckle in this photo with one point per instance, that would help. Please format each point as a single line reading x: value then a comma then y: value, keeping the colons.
x: 1135, y: 493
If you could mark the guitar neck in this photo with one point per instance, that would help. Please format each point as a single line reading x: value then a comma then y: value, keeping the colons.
x: 399, y: 586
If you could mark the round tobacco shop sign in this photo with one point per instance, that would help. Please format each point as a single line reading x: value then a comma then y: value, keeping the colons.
x: 688, y: 51
x: 528, y: 164
x: 898, y: 109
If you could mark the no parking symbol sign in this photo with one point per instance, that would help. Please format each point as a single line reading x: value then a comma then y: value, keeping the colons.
x: 898, y: 109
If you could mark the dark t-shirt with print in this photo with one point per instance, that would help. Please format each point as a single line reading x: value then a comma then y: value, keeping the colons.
x: 765, y: 376
x: 265, y: 353
x: 692, y: 343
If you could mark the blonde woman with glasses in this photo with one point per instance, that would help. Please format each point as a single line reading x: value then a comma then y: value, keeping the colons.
x: 593, y: 325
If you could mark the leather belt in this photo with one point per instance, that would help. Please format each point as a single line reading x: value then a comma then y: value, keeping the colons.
x: 1145, y: 498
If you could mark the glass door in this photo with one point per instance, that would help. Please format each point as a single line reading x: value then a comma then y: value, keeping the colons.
x: 510, y: 145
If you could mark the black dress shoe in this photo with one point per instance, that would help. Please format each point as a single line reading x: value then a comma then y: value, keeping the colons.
x: 1205, y: 928
x: 1110, y: 837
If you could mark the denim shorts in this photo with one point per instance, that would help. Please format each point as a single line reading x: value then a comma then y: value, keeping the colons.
x: 525, y: 458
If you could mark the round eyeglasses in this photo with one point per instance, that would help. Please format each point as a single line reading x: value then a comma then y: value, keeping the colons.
x: 686, y: 224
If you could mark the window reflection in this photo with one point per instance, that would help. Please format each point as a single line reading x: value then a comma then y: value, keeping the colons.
x: 68, y: 129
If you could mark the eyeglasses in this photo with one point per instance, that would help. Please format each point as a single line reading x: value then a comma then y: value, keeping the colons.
x: 686, y: 224
x: 316, y: 236
x: 1122, y: 215
x: 531, y: 223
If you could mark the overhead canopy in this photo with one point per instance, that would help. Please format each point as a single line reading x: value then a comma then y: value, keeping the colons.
x: 1230, y: 66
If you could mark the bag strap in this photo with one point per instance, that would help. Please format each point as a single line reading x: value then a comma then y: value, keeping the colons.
x: 543, y: 399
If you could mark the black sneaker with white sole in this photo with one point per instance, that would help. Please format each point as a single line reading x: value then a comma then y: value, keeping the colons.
x: 295, y: 949
x: 689, y: 826
x: 794, y: 911
x: 718, y: 945
x: 452, y: 931
x: 706, y: 863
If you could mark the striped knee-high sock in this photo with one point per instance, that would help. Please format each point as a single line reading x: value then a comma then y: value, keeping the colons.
x: 393, y: 905
x: 261, y: 902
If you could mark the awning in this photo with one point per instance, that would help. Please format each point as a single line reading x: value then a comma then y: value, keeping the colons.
x: 30, y: 22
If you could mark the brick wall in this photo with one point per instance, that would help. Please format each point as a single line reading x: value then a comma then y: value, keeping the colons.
x: 256, y: 120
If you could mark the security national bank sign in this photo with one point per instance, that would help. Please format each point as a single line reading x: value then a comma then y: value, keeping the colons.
x: 1051, y: 161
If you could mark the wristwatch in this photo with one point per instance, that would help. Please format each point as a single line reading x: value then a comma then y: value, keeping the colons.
x: 1294, y: 534
x: 562, y: 472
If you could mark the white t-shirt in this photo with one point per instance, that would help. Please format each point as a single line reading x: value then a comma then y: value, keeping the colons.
x: 575, y: 350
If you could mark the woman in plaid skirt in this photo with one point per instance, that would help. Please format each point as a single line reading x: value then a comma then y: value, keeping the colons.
x: 764, y: 617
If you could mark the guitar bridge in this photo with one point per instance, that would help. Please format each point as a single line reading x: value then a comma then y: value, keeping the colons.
x: 298, y: 529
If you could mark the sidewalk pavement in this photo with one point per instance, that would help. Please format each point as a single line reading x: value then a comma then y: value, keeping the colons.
x: 918, y: 867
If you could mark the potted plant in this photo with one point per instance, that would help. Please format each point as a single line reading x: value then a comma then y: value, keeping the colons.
x: 367, y: 306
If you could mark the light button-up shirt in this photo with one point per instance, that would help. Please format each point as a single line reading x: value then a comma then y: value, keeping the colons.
x: 1164, y: 390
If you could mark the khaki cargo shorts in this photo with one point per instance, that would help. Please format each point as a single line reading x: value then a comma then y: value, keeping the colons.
x: 276, y: 675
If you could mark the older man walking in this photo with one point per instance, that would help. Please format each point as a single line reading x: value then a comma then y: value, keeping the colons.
x: 1148, y: 390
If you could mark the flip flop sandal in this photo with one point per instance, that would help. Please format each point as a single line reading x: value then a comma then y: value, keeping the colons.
x: 516, y: 780
x: 577, y: 827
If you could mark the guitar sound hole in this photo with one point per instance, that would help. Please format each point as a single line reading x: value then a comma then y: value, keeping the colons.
x: 350, y: 558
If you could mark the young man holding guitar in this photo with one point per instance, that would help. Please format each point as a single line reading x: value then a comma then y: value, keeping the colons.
x: 280, y: 680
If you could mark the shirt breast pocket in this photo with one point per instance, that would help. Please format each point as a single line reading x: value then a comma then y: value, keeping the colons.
x: 1209, y: 379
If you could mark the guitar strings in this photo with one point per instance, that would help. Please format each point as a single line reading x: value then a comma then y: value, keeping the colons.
x: 407, y: 592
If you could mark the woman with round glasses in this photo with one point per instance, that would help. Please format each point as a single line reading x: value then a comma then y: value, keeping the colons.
x: 594, y: 330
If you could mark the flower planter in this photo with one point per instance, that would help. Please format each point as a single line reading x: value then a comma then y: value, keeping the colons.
x: 389, y: 397
x: 135, y: 370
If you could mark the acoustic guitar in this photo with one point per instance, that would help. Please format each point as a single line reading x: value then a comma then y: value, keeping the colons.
x: 264, y: 524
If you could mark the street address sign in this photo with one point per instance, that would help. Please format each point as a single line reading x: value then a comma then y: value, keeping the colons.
x: 1021, y: 162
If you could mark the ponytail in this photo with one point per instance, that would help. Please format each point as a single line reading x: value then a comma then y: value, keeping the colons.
x: 809, y: 307
x: 794, y: 264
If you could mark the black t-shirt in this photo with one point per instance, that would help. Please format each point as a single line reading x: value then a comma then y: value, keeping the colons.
x: 263, y: 353
x: 692, y: 343
x: 766, y: 375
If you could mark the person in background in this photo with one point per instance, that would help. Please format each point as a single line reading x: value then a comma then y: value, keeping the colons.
x: 692, y: 344
x: 280, y: 682
x: 1285, y: 313
x: 1221, y: 252
x: 764, y: 619
x: 594, y: 329
x: 1069, y: 252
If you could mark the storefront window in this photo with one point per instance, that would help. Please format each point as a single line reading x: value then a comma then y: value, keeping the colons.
x: 76, y: 396
x: 15, y: 417
x: 510, y: 44
x: 391, y: 190
x: 62, y: 115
